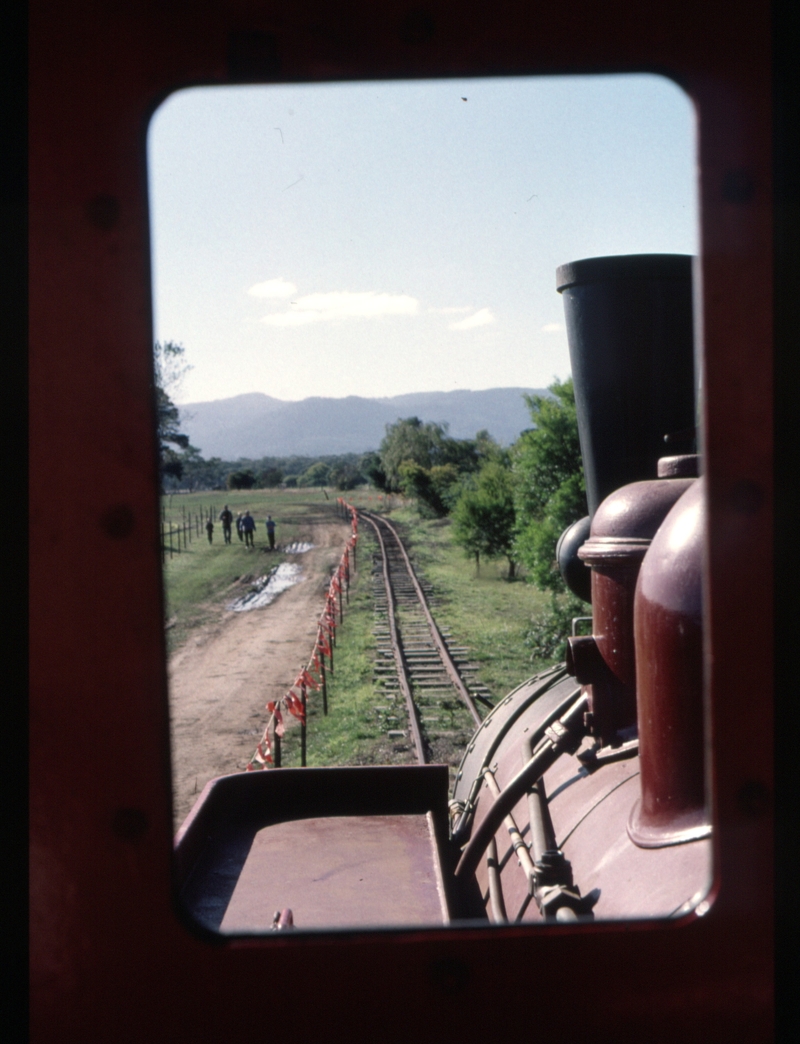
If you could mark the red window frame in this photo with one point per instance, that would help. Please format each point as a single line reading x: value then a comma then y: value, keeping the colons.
x: 108, y: 955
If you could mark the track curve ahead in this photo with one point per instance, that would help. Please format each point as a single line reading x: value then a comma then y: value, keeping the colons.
x: 416, y: 658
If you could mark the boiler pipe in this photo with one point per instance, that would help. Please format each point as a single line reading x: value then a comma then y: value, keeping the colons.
x: 563, y: 736
x: 517, y: 841
x: 495, y: 888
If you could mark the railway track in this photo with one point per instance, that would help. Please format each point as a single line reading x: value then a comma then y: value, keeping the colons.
x: 432, y: 696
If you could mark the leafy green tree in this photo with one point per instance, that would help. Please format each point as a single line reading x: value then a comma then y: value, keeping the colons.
x: 488, y: 448
x: 316, y: 475
x: 484, y: 516
x: 345, y: 475
x: 427, y: 445
x: 409, y: 441
x: 241, y: 480
x: 371, y: 468
x: 270, y: 477
x: 169, y: 368
x: 181, y: 469
x: 550, y: 492
x: 431, y: 487
x: 204, y: 474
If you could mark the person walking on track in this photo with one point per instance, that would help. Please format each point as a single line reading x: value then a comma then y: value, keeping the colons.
x: 239, y: 530
x: 271, y: 532
x: 210, y: 531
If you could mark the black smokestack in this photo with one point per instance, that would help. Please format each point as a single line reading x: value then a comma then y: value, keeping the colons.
x: 631, y: 343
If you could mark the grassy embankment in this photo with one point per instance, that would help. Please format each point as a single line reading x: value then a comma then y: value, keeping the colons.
x: 352, y: 733
x: 483, y: 611
x: 200, y: 578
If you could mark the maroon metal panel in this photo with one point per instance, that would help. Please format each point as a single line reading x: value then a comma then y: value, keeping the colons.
x: 339, y: 872
x: 109, y: 958
x: 345, y: 846
x: 622, y: 529
x: 670, y: 679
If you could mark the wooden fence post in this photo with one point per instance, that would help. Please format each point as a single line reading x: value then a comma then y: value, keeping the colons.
x: 303, y: 725
x: 324, y: 682
x: 276, y: 745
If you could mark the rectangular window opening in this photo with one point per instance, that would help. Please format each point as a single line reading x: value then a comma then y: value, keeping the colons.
x: 430, y: 331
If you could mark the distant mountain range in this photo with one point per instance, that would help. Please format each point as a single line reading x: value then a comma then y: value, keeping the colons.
x: 256, y: 425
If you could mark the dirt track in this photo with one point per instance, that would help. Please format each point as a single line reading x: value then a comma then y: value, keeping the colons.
x: 221, y: 679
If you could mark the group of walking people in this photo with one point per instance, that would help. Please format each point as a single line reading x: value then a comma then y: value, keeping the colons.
x: 245, y: 528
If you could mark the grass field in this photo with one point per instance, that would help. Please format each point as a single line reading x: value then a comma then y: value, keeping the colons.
x: 196, y: 578
x: 483, y: 611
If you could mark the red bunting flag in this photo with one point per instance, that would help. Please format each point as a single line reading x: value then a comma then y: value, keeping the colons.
x: 308, y: 681
x: 280, y: 728
x: 262, y: 755
x: 295, y: 707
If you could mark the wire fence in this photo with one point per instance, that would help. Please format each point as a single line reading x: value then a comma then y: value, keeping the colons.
x: 176, y: 536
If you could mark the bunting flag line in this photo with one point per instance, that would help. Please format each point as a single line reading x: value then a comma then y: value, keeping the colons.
x: 326, y: 627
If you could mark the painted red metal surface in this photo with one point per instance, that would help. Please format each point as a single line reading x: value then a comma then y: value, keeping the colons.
x: 669, y: 673
x: 340, y: 872
x: 339, y: 847
x: 622, y: 529
x: 590, y: 817
x: 110, y: 958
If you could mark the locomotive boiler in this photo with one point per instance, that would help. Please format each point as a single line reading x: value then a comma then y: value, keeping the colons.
x: 582, y: 795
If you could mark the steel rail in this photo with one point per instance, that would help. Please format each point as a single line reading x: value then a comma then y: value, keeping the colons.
x: 438, y: 641
x: 397, y: 648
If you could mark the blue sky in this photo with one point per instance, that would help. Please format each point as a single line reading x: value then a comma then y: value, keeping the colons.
x: 382, y: 238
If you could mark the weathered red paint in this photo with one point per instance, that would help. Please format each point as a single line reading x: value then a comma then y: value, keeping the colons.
x: 669, y: 674
x: 345, y: 847
x: 622, y: 529
x: 110, y: 959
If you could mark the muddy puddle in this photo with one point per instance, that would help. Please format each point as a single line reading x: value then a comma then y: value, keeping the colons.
x: 265, y: 590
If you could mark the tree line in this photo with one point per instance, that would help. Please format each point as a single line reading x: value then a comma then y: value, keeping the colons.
x: 343, y: 472
x: 511, y: 502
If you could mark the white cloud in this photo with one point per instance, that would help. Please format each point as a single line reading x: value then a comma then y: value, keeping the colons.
x: 481, y: 318
x: 553, y: 328
x: 273, y: 288
x: 343, y: 304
